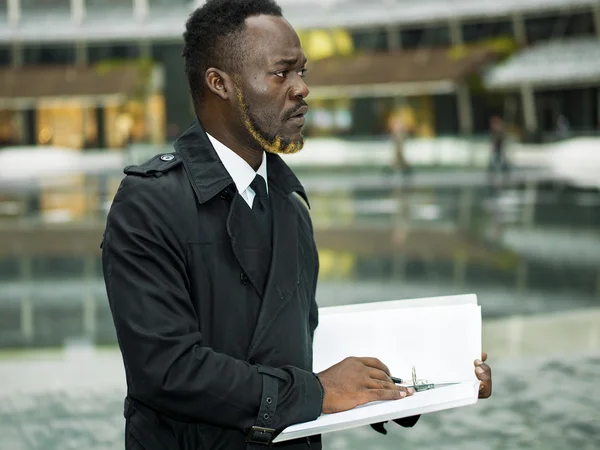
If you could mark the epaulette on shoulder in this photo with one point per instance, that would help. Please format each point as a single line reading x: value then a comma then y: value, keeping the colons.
x: 156, y: 166
x: 301, y: 200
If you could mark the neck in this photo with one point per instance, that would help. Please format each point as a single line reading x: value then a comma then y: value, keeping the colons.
x: 228, y: 137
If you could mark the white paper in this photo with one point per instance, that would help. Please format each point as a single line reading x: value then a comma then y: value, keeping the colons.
x: 441, y: 337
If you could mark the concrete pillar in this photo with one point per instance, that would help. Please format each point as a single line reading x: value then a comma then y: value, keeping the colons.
x: 81, y: 53
x: 465, y: 113
x: 140, y: 10
x: 77, y: 11
x: 522, y: 272
x: 467, y: 198
x: 456, y: 35
x: 145, y: 48
x: 598, y: 108
x: 27, y: 331
x: 520, y: 33
x: 14, y: 12
x: 89, y: 302
x: 399, y: 267
x: 460, y: 268
x: 529, y: 111
x: 17, y: 56
x: 596, y: 12
x: 21, y: 129
x: 528, y: 218
x: 394, y: 40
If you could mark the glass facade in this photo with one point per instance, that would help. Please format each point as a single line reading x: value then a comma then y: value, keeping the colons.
x: 425, y: 36
x: 10, y: 128
x: 568, y: 111
x: 169, y: 3
x: 101, y: 9
x: 5, y: 55
x: 116, y: 51
x: 49, y: 55
x: 46, y: 6
x: 480, y: 31
x: 369, y: 40
x: 559, y: 25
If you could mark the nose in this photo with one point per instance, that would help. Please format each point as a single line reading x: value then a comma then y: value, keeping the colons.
x: 300, y: 89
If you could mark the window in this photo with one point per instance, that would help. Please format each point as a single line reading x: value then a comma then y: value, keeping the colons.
x: 369, y: 40
x: 434, y: 36
x: 9, y: 128
x: 111, y: 7
x: 168, y: 3
x: 473, y: 32
x: 5, y: 56
x: 112, y: 52
x: 57, y: 54
x: 46, y: 6
x: 558, y: 26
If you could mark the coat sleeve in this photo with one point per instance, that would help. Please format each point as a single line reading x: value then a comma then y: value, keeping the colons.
x: 167, y: 368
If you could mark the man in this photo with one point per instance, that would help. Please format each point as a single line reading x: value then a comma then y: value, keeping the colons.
x: 399, y: 131
x: 210, y: 271
x: 498, y: 159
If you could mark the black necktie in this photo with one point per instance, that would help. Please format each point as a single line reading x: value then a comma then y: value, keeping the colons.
x: 261, y: 206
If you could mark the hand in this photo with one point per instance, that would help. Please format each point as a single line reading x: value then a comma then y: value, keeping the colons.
x: 484, y: 374
x: 356, y: 381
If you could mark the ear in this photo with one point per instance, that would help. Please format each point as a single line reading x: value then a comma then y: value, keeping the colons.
x: 219, y: 83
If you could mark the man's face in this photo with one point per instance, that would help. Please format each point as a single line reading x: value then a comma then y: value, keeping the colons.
x: 270, y: 88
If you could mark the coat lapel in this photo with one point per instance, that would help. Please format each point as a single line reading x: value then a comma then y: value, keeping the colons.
x: 209, y: 178
x: 251, y: 248
x: 286, y: 264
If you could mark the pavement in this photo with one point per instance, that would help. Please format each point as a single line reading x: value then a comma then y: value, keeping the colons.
x: 74, y: 400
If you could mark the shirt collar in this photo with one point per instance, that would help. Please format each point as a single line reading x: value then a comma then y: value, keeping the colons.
x: 208, y: 175
x: 240, y: 171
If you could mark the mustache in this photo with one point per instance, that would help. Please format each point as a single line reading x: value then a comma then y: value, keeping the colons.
x: 290, y: 112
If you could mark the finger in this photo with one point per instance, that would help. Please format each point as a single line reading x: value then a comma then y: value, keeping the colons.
x: 483, y: 373
x: 386, y: 394
x: 485, y: 391
x: 483, y: 356
x: 376, y: 364
x: 379, y: 374
x: 381, y: 384
x: 387, y: 383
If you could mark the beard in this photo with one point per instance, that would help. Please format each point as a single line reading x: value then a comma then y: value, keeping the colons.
x: 269, y: 142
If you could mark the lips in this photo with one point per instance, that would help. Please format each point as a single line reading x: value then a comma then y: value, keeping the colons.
x: 300, y: 113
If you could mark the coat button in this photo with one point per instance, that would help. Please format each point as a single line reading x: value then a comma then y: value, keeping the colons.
x: 167, y: 157
x: 244, y: 278
x: 269, y: 400
x: 224, y: 194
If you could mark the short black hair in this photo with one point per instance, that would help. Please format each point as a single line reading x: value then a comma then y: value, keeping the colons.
x: 213, y: 38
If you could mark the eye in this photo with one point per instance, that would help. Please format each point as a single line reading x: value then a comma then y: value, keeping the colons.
x: 302, y: 73
x: 282, y: 74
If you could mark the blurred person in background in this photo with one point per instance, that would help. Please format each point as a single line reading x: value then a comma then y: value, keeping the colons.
x: 498, y: 158
x: 399, y: 133
x: 209, y: 258
x: 562, y: 127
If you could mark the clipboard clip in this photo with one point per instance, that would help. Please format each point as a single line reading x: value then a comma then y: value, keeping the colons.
x: 424, y: 385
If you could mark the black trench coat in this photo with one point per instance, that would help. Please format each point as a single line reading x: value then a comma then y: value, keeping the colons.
x: 214, y: 342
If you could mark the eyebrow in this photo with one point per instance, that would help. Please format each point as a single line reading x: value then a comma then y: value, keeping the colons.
x: 289, y: 62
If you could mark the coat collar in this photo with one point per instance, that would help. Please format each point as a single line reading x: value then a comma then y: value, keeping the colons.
x: 208, y: 174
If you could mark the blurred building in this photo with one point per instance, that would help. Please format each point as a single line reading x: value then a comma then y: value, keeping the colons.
x: 108, y: 73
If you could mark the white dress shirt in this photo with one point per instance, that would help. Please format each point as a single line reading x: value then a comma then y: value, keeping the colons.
x: 240, y: 171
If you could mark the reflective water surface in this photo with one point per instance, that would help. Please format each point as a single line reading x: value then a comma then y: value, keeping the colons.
x: 527, y: 247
